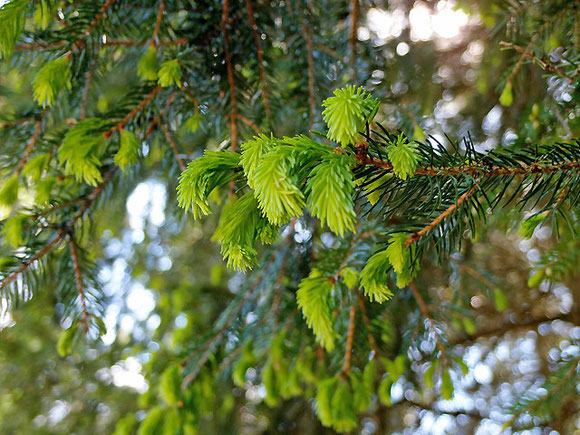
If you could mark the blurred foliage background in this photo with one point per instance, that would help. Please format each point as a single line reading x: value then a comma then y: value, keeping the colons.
x: 503, y: 309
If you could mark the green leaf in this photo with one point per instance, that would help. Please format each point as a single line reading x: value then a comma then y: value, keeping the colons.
x: 12, y: 21
x: 201, y: 177
x: 501, y: 302
x: 277, y: 191
x: 153, y: 422
x: 81, y: 150
x: 384, y: 391
x: 529, y: 225
x: 373, y: 278
x: 350, y: 277
x: 314, y: 299
x: 403, y: 156
x: 238, y: 231
x: 170, y: 385
x: 128, y: 152
x: 13, y: 229
x: 446, y: 385
x: 342, y: 406
x: 506, y: 98
x: 400, y: 258
x: 170, y: 73
x: 346, y: 112
x: 35, y: 167
x: 148, y: 65
x: 252, y: 153
x: 126, y: 425
x: 50, y: 80
x: 9, y: 191
x: 65, y: 340
x: 536, y: 278
x: 43, y: 190
x: 192, y: 123
x: 324, y: 392
x: 330, y: 191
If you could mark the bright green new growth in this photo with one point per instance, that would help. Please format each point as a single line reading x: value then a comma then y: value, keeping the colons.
x: 13, y: 229
x: 170, y: 385
x: 506, y: 98
x: 148, y: 65
x: 239, y: 228
x: 529, y: 225
x: 403, y: 157
x: 278, y: 195
x: 43, y: 190
x: 170, y: 73
x: 9, y: 191
x: 314, y: 298
x: 343, y: 415
x: 373, y: 278
x: 12, y: 20
x: 128, y: 152
x: 202, y: 176
x: 50, y: 80
x: 192, y: 123
x: 35, y: 167
x: 252, y: 153
x: 81, y: 150
x: 373, y: 191
x: 330, y: 190
x: 400, y: 257
x: 346, y: 114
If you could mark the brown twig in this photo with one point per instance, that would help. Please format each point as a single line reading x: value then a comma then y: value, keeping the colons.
x: 47, y: 248
x: 173, y: 144
x: 260, y: 55
x: 310, y: 58
x: 108, y: 43
x: 133, y: 112
x: 546, y: 65
x: 349, y: 340
x: 248, y: 122
x: 230, y: 69
x: 154, y: 41
x: 89, y: 29
x: 367, y: 323
x: 88, y: 80
x: 79, y: 281
x: 29, y: 147
x: 354, y: 9
x: 425, y: 311
x: 435, y: 222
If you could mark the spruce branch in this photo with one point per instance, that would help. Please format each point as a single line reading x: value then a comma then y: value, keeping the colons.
x: 353, y: 36
x: 171, y: 141
x: 425, y: 312
x: 93, y: 24
x: 366, y: 321
x: 310, y: 59
x: 79, y: 280
x: 30, y: 145
x: 260, y: 55
x: 134, y: 112
x: 435, y: 222
x: 349, y: 340
x: 230, y: 69
x: 154, y: 38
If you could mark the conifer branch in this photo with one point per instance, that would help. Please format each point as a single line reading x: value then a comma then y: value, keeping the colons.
x: 230, y: 70
x: 354, y: 11
x: 435, y: 222
x: 561, y: 383
x: 134, y: 112
x: 260, y: 57
x: 367, y: 322
x: 173, y: 144
x: 108, y: 43
x: 154, y: 41
x: 248, y: 122
x: 310, y: 58
x: 79, y: 280
x: 47, y: 248
x: 30, y: 145
x: 349, y: 340
x: 546, y: 65
x: 93, y: 24
x: 86, y: 89
x: 425, y: 311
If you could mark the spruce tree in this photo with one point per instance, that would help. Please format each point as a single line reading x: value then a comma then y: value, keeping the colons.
x: 329, y: 214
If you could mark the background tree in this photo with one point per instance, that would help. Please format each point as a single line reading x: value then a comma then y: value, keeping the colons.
x: 410, y: 268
